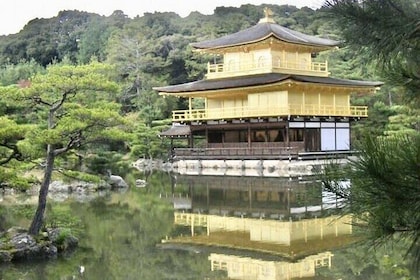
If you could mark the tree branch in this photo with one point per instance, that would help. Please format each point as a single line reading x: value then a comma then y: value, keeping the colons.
x: 57, y: 105
x: 74, y: 141
x: 16, y: 154
x: 39, y: 100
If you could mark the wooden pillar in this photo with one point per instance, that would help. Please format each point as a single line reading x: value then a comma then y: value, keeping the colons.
x: 189, y: 104
x: 350, y: 136
x: 190, y: 108
x: 335, y: 133
x: 173, y: 181
x: 249, y: 136
x: 191, y: 140
x: 223, y: 137
x: 208, y: 195
x: 206, y: 132
x: 208, y: 225
x: 250, y: 198
x: 172, y: 152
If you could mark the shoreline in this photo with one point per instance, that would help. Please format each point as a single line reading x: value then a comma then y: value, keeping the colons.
x: 247, y: 168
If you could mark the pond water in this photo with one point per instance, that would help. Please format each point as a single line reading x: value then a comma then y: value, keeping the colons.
x: 201, y: 227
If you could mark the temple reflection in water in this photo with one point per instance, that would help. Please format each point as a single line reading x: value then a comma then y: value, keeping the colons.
x: 257, y: 197
x: 292, y: 223
x: 249, y: 268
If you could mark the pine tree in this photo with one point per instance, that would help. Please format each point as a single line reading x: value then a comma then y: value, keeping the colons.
x: 389, y: 32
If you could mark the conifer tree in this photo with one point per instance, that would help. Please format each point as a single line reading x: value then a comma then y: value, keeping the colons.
x: 385, y: 190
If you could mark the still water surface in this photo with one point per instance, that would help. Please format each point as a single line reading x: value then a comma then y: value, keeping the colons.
x: 201, y: 227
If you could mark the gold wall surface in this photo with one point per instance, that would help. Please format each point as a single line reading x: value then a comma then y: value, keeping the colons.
x: 267, y: 57
x: 297, y: 100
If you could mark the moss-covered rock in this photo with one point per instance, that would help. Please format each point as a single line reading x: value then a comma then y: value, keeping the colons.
x: 62, y: 239
x: 17, y: 244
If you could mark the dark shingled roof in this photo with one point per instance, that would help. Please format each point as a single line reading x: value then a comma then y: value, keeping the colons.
x: 177, y: 130
x: 261, y: 79
x: 262, y: 31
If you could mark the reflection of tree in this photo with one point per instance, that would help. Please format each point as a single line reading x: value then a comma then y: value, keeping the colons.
x: 121, y: 234
x: 363, y: 262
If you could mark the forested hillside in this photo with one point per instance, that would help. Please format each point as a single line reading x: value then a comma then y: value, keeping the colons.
x: 154, y: 50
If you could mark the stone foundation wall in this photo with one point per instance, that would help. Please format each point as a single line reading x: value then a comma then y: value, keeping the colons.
x: 265, y: 168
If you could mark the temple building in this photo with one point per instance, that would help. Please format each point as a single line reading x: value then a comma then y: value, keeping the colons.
x: 268, y: 98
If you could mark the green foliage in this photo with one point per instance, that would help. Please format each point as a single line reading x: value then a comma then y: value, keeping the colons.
x: 76, y: 114
x: 405, y: 121
x: 362, y: 261
x: 102, y: 161
x: 12, y: 154
x: 143, y: 62
x: 88, y: 115
x: 385, y: 189
x: 147, y: 143
x: 71, y: 175
x: 347, y: 63
x: 11, y: 74
x: 10, y: 131
x: 47, y: 40
x: 64, y: 234
x: 385, y: 178
x: 60, y: 216
x: 388, y: 31
x: 15, y: 215
x: 89, y: 112
x: 375, y: 124
x: 84, y: 107
x: 93, y: 40
x: 13, y: 178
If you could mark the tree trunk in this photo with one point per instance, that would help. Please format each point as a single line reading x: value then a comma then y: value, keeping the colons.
x: 43, y: 192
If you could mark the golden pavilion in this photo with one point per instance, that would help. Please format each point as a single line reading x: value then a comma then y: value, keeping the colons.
x: 267, y: 99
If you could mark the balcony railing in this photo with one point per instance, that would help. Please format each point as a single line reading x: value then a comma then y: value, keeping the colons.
x: 267, y: 151
x: 277, y: 66
x: 258, y: 150
x: 274, y: 111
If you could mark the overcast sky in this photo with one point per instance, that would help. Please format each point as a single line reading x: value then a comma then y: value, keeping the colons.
x: 14, y: 14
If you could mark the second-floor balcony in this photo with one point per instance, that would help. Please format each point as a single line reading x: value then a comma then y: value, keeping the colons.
x: 224, y: 70
x: 266, y: 112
